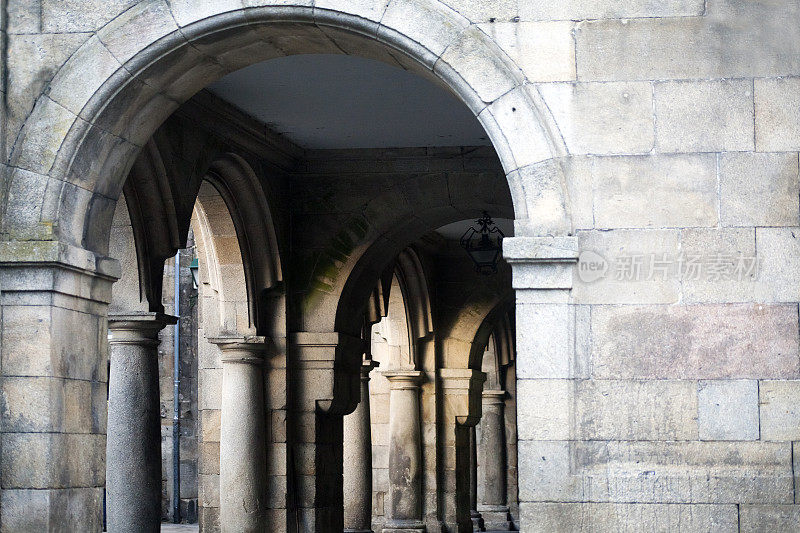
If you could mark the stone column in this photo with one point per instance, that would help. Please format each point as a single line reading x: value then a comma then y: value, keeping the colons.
x: 493, y: 507
x: 242, y: 446
x: 358, y: 461
x: 474, y: 514
x: 133, y: 446
x: 404, y: 513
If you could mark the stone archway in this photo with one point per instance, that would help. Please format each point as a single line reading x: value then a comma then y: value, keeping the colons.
x: 111, y: 95
x: 77, y: 146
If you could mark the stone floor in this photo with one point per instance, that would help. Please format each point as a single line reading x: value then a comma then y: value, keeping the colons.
x: 178, y: 528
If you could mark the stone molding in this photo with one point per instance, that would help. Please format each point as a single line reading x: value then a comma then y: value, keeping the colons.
x: 541, y: 262
x: 244, y: 350
x: 493, y: 397
x: 463, y: 386
x: 368, y: 366
x: 404, y: 379
x: 137, y: 328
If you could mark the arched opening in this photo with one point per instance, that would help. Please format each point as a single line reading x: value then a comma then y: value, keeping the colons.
x: 312, y: 333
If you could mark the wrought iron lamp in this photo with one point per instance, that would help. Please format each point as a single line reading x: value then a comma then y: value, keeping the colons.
x: 483, y: 244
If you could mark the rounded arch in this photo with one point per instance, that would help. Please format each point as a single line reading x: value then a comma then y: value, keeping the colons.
x: 238, y: 186
x: 223, y: 290
x: 110, y: 96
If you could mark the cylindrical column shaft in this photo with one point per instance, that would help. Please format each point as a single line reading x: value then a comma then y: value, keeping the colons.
x: 242, y: 447
x: 404, y: 511
x: 493, y: 508
x: 133, y: 446
x: 358, y: 462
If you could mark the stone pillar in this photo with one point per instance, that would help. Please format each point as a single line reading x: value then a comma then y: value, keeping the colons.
x: 404, y: 512
x: 54, y: 350
x: 242, y: 446
x: 133, y: 446
x: 493, y: 507
x: 461, y: 393
x: 474, y: 514
x: 324, y: 386
x: 358, y: 461
x: 542, y: 274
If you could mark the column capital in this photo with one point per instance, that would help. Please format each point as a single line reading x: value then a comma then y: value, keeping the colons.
x: 541, y: 262
x: 492, y: 397
x: 137, y: 328
x: 403, y: 379
x: 241, y: 349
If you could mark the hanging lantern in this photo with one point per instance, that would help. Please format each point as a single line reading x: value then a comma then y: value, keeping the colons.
x: 193, y: 268
x: 483, y: 244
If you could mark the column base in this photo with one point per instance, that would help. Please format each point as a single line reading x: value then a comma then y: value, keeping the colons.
x: 403, y: 526
x: 496, y: 518
x: 477, y: 521
x: 357, y: 531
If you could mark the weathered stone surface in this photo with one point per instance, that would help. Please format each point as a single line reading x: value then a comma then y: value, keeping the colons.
x: 635, y: 410
x: 487, y: 74
x: 627, y: 517
x: 545, y: 51
x: 769, y: 518
x: 633, y: 267
x: 545, y: 356
x: 759, y: 189
x: 73, y: 509
x: 602, y: 118
x: 606, y: 409
x: 777, y: 105
x: 728, y: 409
x: 780, y: 410
x: 68, y: 16
x: 599, y: 9
x: 695, y: 342
x: 735, y: 39
x: 732, y: 252
x: 778, y: 251
x: 655, y: 472
x: 704, y: 116
x: 53, y: 460
x: 652, y: 191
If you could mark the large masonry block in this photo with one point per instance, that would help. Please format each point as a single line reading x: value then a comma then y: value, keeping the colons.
x: 704, y: 116
x: 778, y: 251
x: 655, y: 472
x: 777, y: 104
x: 728, y: 409
x: 780, y: 410
x: 635, y: 410
x: 733, y: 40
x: 545, y: 51
x: 654, y: 191
x: 628, y: 517
x: 695, y: 342
x: 602, y: 118
x: 769, y: 518
x: 729, y: 271
x: 759, y: 189
x: 632, y: 267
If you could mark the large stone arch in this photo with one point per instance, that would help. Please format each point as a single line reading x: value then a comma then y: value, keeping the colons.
x: 110, y: 96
